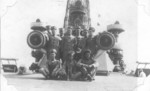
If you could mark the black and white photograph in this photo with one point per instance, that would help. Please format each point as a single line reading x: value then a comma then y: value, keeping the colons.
x: 75, y: 45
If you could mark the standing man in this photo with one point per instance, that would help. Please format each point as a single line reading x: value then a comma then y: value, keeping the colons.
x: 54, y: 42
x: 84, y: 40
x: 48, y: 28
x: 78, y: 46
x: 61, y: 35
x: 68, y: 43
x: 71, y: 68
x: 87, y: 66
x: 69, y: 64
x: 61, y: 32
x: 78, y: 37
x: 91, y: 41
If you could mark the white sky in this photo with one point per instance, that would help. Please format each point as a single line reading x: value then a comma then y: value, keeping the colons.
x: 16, y: 25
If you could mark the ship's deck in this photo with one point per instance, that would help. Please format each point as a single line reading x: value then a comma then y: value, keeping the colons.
x: 36, y: 82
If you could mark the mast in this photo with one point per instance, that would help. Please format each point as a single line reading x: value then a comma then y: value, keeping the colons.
x: 77, y: 14
x: 66, y: 18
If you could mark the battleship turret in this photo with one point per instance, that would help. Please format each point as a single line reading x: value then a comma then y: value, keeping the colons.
x: 116, y: 53
x: 39, y: 36
x: 77, y: 22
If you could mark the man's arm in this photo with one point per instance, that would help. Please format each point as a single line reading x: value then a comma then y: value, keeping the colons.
x: 95, y: 64
x: 81, y: 64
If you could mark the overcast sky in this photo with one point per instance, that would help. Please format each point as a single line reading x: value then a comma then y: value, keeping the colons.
x: 17, y: 22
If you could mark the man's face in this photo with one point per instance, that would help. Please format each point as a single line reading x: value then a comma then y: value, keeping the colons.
x: 61, y: 32
x: 69, y: 31
x: 90, y: 32
x: 53, y: 55
x: 53, y: 31
x: 87, y: 55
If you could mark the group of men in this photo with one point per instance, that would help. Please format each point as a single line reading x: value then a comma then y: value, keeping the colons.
x: 69, y: 57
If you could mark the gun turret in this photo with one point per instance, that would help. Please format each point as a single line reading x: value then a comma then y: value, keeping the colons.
x: 38, y: 37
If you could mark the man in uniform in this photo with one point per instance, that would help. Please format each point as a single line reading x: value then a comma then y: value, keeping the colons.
x: 84, y: 40
x: 61, y: 32
x: 53, y: 65
x: 78, y: 37
x: 48, y: 28
x: 69, y: 64
x: 91, y: 41
x: 68, y: 43
x: 49, y: 67
x: 87, y: 66
x: 54, y: 42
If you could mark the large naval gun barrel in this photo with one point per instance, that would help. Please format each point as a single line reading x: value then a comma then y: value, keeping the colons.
x: 105, y: 40
x: 39, y: 37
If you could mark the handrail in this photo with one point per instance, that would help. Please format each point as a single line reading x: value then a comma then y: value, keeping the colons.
x: 143, y: 62
x: 9, y: 59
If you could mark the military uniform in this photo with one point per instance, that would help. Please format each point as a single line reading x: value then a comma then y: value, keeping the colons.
x: 78, y: 37
x: 54, y: 43
x: 70, y: 68
x: 49, y: 67
x: 91, y: 44
x: 87, y: 67
x: 53, y: 67
x: 61, y: 32
x: 70, y: 65
x: 68, y: 44
x: 86, y: 70
x: 83, y: 43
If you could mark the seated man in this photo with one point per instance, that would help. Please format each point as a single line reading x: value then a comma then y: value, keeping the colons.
x: 51, y: 66
x: 87, y: 66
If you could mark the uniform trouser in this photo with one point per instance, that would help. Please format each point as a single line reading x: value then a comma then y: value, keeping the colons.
x: 68, y: 71
x: 64, y: 54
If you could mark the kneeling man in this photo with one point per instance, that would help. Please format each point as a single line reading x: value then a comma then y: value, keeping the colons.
x: 52, y: 66
x: 87, y: 66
